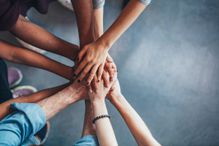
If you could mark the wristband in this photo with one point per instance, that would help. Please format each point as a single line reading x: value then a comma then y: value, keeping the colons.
x: 100, y: 117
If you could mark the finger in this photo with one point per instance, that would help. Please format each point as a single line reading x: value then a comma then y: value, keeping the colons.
x: 96, y: 83
x: 74, y: 68
x: 92, y: 85
x: 92, y: 74
x: 111, y: 71
x: 105, y: 77
x: 114, y: 66
x: 90, y: 89
x: 115, y: 76
x: 100, y: 72
x: 110, y: 67
x: 81, y: 54
x: 109, y: 58
x: 85, y: 71
x: 80, y: 67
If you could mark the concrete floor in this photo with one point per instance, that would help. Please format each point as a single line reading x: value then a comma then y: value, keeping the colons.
x: 168, y: 65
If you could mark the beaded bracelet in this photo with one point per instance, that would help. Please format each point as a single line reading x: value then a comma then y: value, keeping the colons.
x: 100, y: 117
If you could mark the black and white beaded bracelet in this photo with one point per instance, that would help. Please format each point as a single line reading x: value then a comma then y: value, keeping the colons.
x: 100, y: 117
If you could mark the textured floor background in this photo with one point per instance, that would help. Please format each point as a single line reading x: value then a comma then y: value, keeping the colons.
x: 168, y: 65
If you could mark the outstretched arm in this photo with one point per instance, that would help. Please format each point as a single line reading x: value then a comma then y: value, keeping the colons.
x: 127, y: 17
x: 97, y: 31
x: 97, y: 21
x: 93, y: 56
x: 57, y: 102
x: 27, y: 57
x: 135, y: 123
x: 39, y: 37
x: 28, y: 118
x: 104, y: 130
x: 33, y: 98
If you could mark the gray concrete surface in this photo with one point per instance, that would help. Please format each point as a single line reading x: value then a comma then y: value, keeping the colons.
x: 168, y: 65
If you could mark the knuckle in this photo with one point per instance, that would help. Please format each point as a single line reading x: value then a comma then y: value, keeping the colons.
x: 79, y: 68
x: 93, y: 61
x: 83, y: 73
x: 76, y: 71
x: 92, y: 74
x: 87, y: 59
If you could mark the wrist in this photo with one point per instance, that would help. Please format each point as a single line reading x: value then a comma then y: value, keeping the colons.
x: 76, y: 92
x: 105, y: 43
x: 117, y: 99
x: 97, y: 101
x: 99, y: 107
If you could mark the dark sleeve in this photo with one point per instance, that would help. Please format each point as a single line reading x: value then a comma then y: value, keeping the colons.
x: 9, y: 13
x: 41, y: 6
x: 5, y: 92
x: 98, y: 4
x: 145, y: 2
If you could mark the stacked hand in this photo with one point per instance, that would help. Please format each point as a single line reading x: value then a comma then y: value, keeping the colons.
x: 97, y: 89
x: 94, y: 60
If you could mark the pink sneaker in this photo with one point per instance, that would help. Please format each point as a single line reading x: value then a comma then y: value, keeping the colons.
x: 14, y: 77
x: 23, y: 91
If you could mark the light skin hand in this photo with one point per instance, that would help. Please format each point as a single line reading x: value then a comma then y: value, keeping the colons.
x: 93, y: 56
x: 97, y: 31
x: 97, y: 89
x: 91, y: 60
x: 104, y: 130
x: 115, y: 91
x: 109, y: 68
x: 134, y: 122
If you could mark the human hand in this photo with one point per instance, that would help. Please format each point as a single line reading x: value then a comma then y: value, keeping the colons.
x: 80, y: 90
x: 91, y: 61
x: 109, y: 68
x: 115, y: 91
x: 97, y: 89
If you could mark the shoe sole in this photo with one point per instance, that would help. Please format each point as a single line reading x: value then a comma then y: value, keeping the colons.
x: 25, y: 87
x: 19, y: 80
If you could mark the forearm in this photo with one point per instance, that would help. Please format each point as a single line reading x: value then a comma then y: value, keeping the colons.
x: 104, y: 130
x: 39, y: 37
x: 122, y: 23
x: 30, y: 58
x: 57, y: 102
x: 33, y: 98
x: 97, y: 23
x: 136, y: 125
